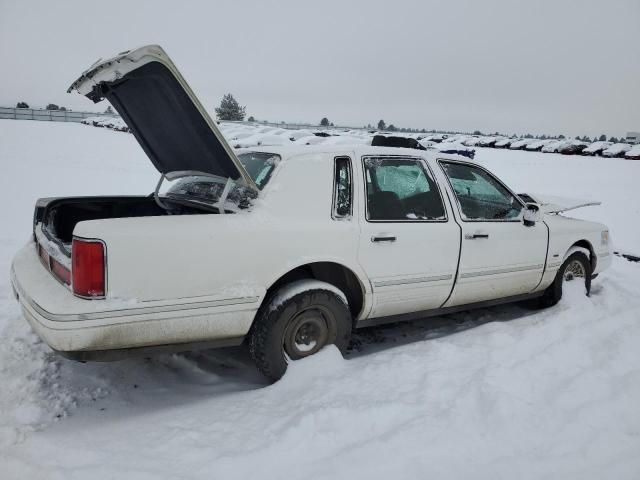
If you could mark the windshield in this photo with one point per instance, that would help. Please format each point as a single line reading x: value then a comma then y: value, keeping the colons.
x: 207, y: 190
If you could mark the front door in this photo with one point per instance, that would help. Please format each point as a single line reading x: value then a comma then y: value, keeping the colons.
x: 500, y: 256
x: 409, y: 244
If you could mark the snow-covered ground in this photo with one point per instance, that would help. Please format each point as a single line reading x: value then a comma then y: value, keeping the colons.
x: 503, y: 392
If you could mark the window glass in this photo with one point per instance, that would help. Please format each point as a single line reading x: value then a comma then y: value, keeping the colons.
x: 342, y: 188
x: 259, y: 166
x: 480, y: 195
x: 401, y: 189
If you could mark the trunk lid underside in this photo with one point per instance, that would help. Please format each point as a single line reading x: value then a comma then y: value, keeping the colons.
x: 164, y: 115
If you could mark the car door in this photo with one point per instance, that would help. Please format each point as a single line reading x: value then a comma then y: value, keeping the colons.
x: 500, y: 256
x: 409, y: 244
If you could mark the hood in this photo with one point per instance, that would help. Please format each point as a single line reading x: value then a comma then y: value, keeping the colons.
x: 164, y: 115
x: 553, y: 204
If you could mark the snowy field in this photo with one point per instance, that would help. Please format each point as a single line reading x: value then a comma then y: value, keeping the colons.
x: 504, y: 392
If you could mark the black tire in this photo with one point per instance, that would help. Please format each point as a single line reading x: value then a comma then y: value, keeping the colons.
x: 553, y: 293
x: 310, y: 319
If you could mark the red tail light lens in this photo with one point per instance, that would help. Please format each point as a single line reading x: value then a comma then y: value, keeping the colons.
x: 88, y: 268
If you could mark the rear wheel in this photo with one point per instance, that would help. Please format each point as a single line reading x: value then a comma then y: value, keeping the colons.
x: 297, y: 321
x: 576, y: 268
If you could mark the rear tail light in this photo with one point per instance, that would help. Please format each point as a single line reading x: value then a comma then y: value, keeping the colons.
x: 88, y: 268
x: 60, y: 271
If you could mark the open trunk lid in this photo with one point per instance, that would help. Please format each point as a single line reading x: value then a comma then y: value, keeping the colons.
x: 163, y: 113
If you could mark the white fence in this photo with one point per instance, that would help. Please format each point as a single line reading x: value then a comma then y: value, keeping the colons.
x: 47, y: 115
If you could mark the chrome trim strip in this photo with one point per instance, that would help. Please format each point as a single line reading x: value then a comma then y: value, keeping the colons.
x: 501, y: 270
x: 409, y: 281
x: 127, y: 312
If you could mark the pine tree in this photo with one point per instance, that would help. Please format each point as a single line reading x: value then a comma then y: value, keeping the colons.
x: 324, y: 122
x: 230, y: 109
x: 22, y: 105
x: 603, y: 138
x: 109, y: 110
x: 251, y: 119
x: 381, y: 125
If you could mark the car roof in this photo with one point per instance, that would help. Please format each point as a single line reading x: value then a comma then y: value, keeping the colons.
x: 288, y: 151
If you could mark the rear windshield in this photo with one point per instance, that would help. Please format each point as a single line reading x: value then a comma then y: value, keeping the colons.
x: 208, y: 189
x: 259, y: 166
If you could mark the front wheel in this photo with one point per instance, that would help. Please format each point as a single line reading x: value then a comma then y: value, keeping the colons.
x: 297, y: 321
x: 576, y: 267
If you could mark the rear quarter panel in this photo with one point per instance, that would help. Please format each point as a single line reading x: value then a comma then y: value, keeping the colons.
x: 212, y: 257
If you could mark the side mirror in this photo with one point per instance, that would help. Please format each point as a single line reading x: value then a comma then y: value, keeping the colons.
x: 531, y: 215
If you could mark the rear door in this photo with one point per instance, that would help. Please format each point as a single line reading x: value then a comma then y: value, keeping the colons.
x: 409, y: 244
x: 500, y: 256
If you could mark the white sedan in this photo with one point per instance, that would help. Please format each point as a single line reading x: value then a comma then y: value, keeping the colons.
x: 286, y: 249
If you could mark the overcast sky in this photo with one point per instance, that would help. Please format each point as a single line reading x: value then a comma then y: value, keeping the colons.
x: 554, y: 66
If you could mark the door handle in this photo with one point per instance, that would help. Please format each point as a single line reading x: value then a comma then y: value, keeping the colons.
x: 476, y: 235
x: 383, y: 238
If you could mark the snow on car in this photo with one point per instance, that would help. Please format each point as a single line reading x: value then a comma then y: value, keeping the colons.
x: 487, y: 141
x: 202, y: 261
x: 503, y: 143
x: 551, y: 147
x: 261, y: 139
x: 471, y: 141
x: 520, y: 144
x: 633, y: 153
x: 309, y: 140
x: 537, y: 146
x: 617, y: 150
x: 297, y: 134
x: 571, y: 147
x: 596, y: 148
x: 453, y: 148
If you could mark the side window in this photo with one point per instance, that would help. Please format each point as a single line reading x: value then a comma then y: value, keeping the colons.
x: 342, y: 189
x: 401, y: 189
x: 480, y: 195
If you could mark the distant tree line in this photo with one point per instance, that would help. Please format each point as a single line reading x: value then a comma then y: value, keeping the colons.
x: 230, y: 109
